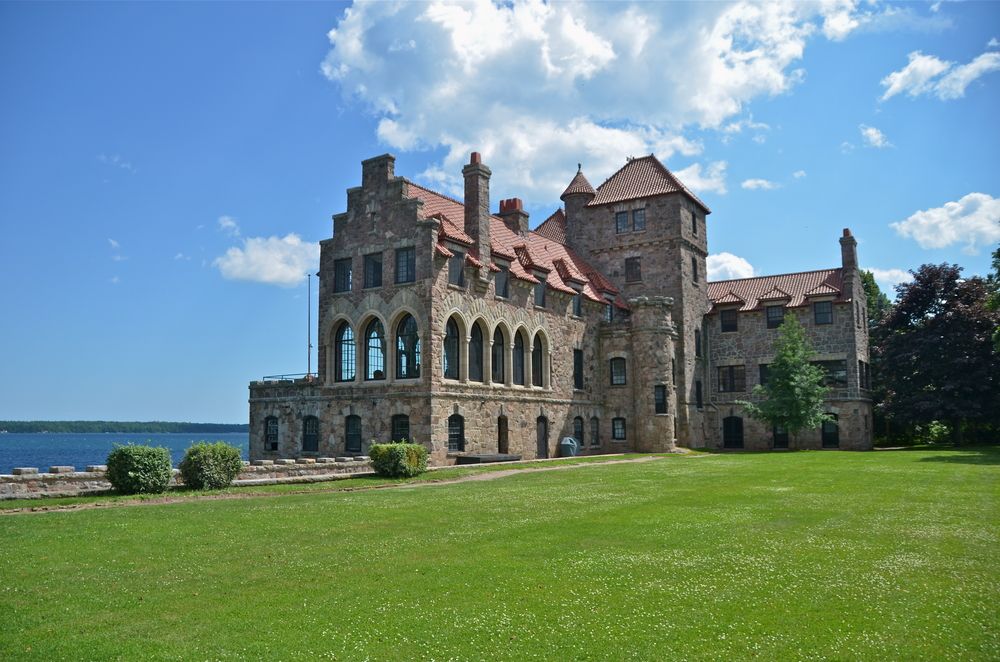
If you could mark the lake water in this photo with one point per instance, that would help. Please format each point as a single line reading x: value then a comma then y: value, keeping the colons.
x: 79, y: 450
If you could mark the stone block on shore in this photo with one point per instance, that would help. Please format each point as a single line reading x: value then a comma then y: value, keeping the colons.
x: 306, y: 460
x: 97, y: 468
x: 25, y: 471
x: 61, y: 469
x: 285, y: 461
x: 262, y: 463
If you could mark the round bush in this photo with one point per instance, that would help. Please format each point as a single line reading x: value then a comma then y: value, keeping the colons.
x: 398, y: 459
x: 210, y: 466
x: 139, y: 469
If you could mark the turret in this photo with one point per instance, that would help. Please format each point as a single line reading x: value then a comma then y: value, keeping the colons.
x: 576, y: 196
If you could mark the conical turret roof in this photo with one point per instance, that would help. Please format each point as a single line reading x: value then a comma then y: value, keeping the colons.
x: 578, y: 185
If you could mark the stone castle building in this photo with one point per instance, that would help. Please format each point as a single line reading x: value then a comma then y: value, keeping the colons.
x: 450, y: 325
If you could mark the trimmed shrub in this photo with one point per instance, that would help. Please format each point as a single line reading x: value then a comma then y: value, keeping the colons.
x: 398, y: 459
x: 139, y: 469
x: 210, y: 466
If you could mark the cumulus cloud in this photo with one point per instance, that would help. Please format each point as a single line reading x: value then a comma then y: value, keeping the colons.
x: 927, y: 74
x: 113, y: 243
x: 972, y: 220
x: 281, y: 261
x: 762, y: 184
x: 229, y: 225
x: 873, y: 137
x: 799, y: 174
x: 888, y: 279
x: 993, y: 43
x: 537, y: 87
x: 712, y: 178
x: 726, y: 266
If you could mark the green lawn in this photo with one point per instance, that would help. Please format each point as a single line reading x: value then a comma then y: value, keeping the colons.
x: 881, y: 555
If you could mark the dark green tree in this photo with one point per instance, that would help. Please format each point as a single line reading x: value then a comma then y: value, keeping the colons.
x: 936, y: 354
x: 993, y: 300
x: 878, y: 303
x: 794, y: 393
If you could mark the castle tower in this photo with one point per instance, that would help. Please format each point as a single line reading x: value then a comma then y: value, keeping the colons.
x: 576, y: 196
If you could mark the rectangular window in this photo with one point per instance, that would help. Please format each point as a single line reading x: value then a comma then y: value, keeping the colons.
x: 540, y: 293
x: 373, y: 270
x: 456, y: 269
x: 694, y: 224
x: 780, y: 436
x: 401, y: 428
x: 638, y: 219
x: 352, y: 434
x: 864, y: 375
x: 697, y: 343
x: 578, y: 368
x: 633, y: 269
x: 618, y: 372
x: 698, y: 401
x: 732, y: 379
x: 823, y: 312
x: 578, y: 305
x: 694, y: 269
x: 595, y: 432
x: 406, y: 263
x: 271, y: 433
x: 618, y: 429
x: 502, y: 282
x: 660, y: 399
x: 609, y: 313
x: 729, y: 320
x: 342, y: 275
x: 621, y: 222
x: 775, y: 316
x: 765, y: 370
x: 836, y: 373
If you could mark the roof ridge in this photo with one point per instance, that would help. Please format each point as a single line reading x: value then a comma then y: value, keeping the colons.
x: 790, y: 273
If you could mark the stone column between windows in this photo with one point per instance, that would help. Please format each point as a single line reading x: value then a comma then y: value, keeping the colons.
x: 529, y: 365
x: 463, y: 358
x: 508, y: 352
x: 360, y: 358
x: 488, y: 361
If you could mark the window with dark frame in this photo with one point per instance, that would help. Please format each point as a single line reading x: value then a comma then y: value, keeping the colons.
x: 342, y: 275
x: 618, y: 429
x: 694, y: 223
x: 540, y: 292
x: 694, y: 269
x: 476, y: 354
x: 501, y: 282
x: 638, y: 220
x: 536, y: 362
x: 456, y: 268
x: 728, y: 320
x: 456, y: 433
x: 517, y: 359
x: 823, y: 312
x: 779, y: 436
x: 830, y: 432
x: 497, y: 372
x: 401, y: 428
x: 633, y: 269
x: 732, y: 379
x: 373, y: 270
x: 765, y: 370
x: 352, y: 434
x: 697, y: 343
x: 835, y: 373
x: 775, y: 316
x: 375, y: 354
x: 618, y: 371
x: 621, y: 222
x: 271, y: 433
x: 344, y: 354
x: 732, y: 432
x: 660, y: 399
x: 578, y: 305
x: 595, y: 432
x: 609, y: 313
x: 407, y: 349
x: 578, y: 431
x: 450, y: 354
x: 406, y: 265
x: 578, y: 368
x: 310, y: 434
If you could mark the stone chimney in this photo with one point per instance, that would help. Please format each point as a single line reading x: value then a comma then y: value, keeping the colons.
x: 377, y: 171
x: 848, y: 251
x: 513, y: 215
x: 477, y: 205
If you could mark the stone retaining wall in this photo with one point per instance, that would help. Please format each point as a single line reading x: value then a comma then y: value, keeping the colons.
x: 61, y: 481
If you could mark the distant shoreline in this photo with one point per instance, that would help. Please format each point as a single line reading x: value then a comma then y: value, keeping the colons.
x: 127, y: 427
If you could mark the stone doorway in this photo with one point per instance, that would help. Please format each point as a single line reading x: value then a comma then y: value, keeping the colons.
x: 542, y: 431
x: 503, y: 436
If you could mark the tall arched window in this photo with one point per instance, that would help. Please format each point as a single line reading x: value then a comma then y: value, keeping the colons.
x: 344, y: 354
x: 407, y: 349
x: 456, y: 433
x: 451, y: 349
x: 375, y: 354
x: 536, y: 362
x: 578, y: 430
x: 518, y: 360
x: 499, y: 356
x: 310, y: 434
x: 476, y: 354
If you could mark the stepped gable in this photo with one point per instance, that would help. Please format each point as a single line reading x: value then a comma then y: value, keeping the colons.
x: 533, y: 250
x: 643, y: 177
x: 796, y: 287
x: 554, y: 227
x: 579, y: 184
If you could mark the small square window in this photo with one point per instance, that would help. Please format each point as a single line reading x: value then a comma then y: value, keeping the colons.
x: 823, y: 312
x: 621, y: 222
x: 729, y: 320
x: 342, y: 275
x: 633, y: 269
x: 456, y: 269
x: 775, y: 316
x: 618, y: 429
x: 373, y: 270
x: 638, y: 219
x: 406, y: 265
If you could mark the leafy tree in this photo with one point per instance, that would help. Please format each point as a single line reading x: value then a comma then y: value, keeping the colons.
x: 993, y: 301
x: 878, y: 303
x: 794, y: 393
x: 936, y: 352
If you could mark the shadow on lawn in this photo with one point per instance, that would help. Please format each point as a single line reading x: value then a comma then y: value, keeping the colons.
x: 966, y: 455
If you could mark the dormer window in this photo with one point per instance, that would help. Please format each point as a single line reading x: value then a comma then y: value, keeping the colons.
x: 501, y: 282
x: 456, y: 269
x: 540, y: 292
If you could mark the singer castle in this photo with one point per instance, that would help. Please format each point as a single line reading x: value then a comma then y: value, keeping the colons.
x: 451, y: 324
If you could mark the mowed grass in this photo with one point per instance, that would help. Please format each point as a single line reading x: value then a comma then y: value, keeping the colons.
x: 809, y: 555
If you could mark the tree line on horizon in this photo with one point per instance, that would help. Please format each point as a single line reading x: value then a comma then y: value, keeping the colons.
x: 121, y: 427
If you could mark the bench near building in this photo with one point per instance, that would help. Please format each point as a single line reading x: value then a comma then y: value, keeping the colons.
x: 450, y: 325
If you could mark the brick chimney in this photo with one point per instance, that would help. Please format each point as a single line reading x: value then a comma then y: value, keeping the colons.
x: 848, y: 250
x: 477, y: 205
x: 513, y: 215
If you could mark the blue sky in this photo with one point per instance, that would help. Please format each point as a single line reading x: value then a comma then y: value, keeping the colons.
x: 167, y: 168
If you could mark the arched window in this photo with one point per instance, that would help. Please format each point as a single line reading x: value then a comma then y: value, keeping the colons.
x: 352, y: 434
x: 407, y: 349
x: 310, y: 434
x: 375, y: 355
x: 518, y: 360
x: 732, y: 432
x: 401, y: 428
x: 344, y: 354
x: 271, y: 433
x: 831, y: 432
x: 476, y: 354
x: 456, y: 433
x: 578, y: 430
x: 451, y: 349
x: 499, y: 356
x: 536, y: 362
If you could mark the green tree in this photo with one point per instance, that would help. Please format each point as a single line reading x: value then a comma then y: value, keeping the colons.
x: 993, y: 300
x: 794, y: 393
x: 878, y: 303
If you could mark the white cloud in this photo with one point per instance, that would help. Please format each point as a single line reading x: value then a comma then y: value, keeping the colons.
x: 537, y: 87
x: 114, y: 244
x: 972, y: 220
x: 799, y: 174
x: 926, y: 74
x: 846, y: 147
x: 116, y: 161
x: 839, y: 18
x: 726, y: 266
x: 281, y: 261
x: 887, y: 279
x: 182, y: 256
x: 118, y: 258
x: 873, y: 137
x: 993, y: 43
x: 755, y: 184
x: 229, y: 225
x: 712, y: 179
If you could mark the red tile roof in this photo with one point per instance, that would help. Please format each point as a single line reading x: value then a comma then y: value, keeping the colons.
x: 643, y: 177
x: 578, y: 185
x: 798, y: 287
x: 554, y: 227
